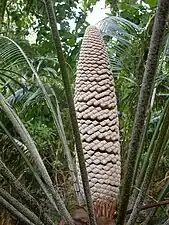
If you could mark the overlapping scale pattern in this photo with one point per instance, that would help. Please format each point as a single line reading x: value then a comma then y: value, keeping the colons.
x: 96, y: 111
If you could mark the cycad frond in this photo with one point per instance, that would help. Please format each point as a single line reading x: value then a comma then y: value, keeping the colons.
x: 9, y: 53
x: 119, y: 28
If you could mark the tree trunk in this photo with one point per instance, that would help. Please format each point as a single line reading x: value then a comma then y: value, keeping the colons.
x: 143, y: 102
x: 67, y: 86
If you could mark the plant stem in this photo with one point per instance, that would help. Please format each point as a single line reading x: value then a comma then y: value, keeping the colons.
x: 57, y: 122
x: 67, y: 86
x: 151, y: 205
x: 72, y: 169
x: 163, y: 191
x: 24, y: 194
x: 152, y: 164
x: 140, y: 151
x: 3, y: 5
x: 143, y: 102
x: 28, y: 141
x: 147, y: 158
x: 21, y: 208
x: 14, y: 211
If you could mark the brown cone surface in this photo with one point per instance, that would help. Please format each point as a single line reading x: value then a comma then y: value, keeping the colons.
x: 96, y: 111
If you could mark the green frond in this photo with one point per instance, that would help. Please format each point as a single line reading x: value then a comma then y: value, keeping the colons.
x: 9, y: 53
x: 119, y: 28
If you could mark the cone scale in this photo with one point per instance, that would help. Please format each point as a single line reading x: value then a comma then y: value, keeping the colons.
x: 96, y: 111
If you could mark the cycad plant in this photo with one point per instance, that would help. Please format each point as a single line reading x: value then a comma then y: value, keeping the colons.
x: 94, y: 121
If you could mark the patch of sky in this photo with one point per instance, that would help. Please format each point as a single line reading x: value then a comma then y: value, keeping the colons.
x: 98, y: 13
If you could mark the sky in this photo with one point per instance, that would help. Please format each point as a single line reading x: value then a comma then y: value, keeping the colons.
x: 98, y: 13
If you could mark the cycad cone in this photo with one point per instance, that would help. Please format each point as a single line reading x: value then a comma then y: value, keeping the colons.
x: 96, y: 111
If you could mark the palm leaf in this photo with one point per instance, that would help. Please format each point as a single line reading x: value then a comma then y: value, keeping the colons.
x: 119, y: 28
x: 9, y: 54
x: 121, y: 34
x: 26, y: 138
